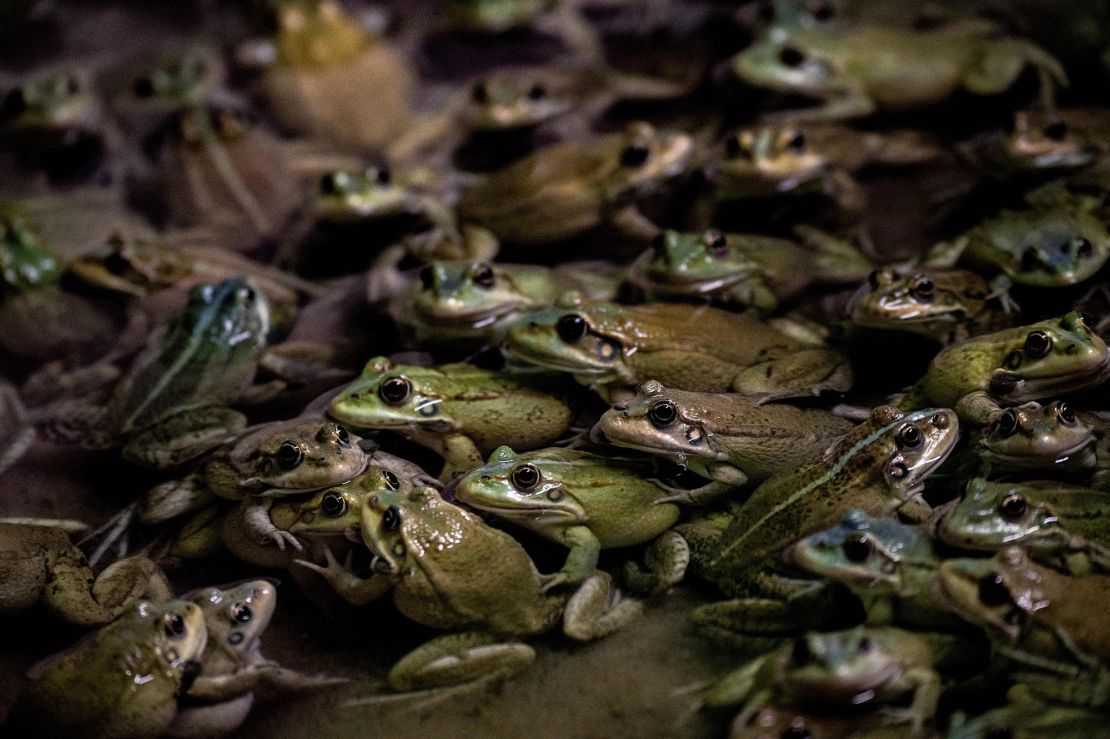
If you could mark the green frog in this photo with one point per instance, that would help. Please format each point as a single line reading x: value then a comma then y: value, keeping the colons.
x: 866, y: 69
x: 585, y: 502
x: 459, y: 411
x: 39, y: 563
x: 124, y: 680
x: 839, y: 669
x: 978, y: 376
x: 448, y: 570
x: 1059, y: 524
x: 611, y: 347
x: 725, y: 437
x: 741, y: 270
x: 1033, y: 438
x: 566, y: 189
x: 948, y: 305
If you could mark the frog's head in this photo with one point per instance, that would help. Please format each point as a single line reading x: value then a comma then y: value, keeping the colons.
x: 527, y: 487
x: 999, y: 594
x: 781, y: 156
x: 1062, y: 249
x: 174, y: 630
x: 395, y: 396
x: 299, y: 455
x: 57, y: 102
x: 236, y: 616
x: 133, y: 266
x: 372, y: 193
x: 1040, y: 140
x: 402, y: 530
x: 338, y: 509
x: 1049, y: 358
x: 1034, y: 435
x: 492, y: 16
x: 200, y: 127
x: 316, y: 33
x: 511, y: 100
x: 841, y: 667
x: 781, y: 61
x: 892, y: 299
x: 993, y: 514
x: 656, y: 420
x: 573, y: 336
x: 467, y: 292
x: 24, y: 262
x: 646, y: 158
x: 710, y: 259
x: 188, y: 78
x: 230, y: 315
x: 860, y: 550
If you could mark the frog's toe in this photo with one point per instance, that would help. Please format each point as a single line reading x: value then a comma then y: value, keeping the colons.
x: 456, y: 659
x: 597, y: 609
x: 666, y: 558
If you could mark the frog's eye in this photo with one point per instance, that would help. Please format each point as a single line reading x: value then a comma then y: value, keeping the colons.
x: 1065, y: 413
x: 395, y: 390
x: 635, y: 155
x: 1008, y: 423
x: 383, y: 176
x: 329, y: 184
x: 865, y: 645
x: 875, y: 279
x: 1083, y: 248
x: 480, y: 93
x: 857, y: 548
x: 797, y: 143
x: 910, y: 437
x: 572, y: 328
x: 538, y: 92
x: 483, y: 276
x: 391, y: 480
x: 14, y: 105
x: 73, y: 85
x: 716, y: 242
x: 391, y: 519
x: 526, y: 477
x: 992, y: 590
x: 144, y: 87
x: 663, y: 413
x: 1057, y: 131
x: 801, y: 654
x: 289, y: 454
x: 241, y: 613
x: 1013, y: 507
x: 333, y: 505
x: 117, y: 264
x: 173, y: 624
x: 923, y: 288
x: 342, y: 434
x: 791, y: 57
x: 1037, y: 344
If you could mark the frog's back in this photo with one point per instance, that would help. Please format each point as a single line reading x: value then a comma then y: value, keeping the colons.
x: 733, y: 337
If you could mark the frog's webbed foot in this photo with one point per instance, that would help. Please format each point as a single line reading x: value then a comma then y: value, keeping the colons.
x: 349, y: 586
x: 808, y: 372
x: 256, y: 519
x: 456, y: 659
x: 597, y: 609
x: 666, y: 560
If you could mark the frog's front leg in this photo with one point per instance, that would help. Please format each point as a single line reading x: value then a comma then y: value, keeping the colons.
x: 978, y: 408
x: 456, y: 659
x: 737, y: 687
x: 926, y: 694
x: 581, y: 560
x: 460, y: 455
x: 629, y: 221
x: 666, y: 559
x: 256, y: 519
x: 597, y: 609
x: 724, y: 479
x: 350, y: 587
x: 805, y: 373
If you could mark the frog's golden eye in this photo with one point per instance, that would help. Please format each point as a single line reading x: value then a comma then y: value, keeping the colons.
x: 526, y: 477
x: 289, y: 454
x: 1057, y: 131
x: 173, y: 624
x: 910, y: 437
x: 791, y: 57
x: 333, y: 504
x: 923, y: 288
x: 1083, y: 248
x: 483, y: 276
x: 144, y: 87
x: 1013, y: 507
x: 992, y: 590
x: 1038, y: 344
x: 480, y: 93
x: 572, y: 328
x: 391, y: 518
x: 241, y: 613
x: 1065, y: 413
x: 635, y: 155
x: 537, y: 92
x: 663, y: 413
x: 395, y: 390
x: 391, y: 480
x: 1008, y: 423
x: 857, y: 548
x: 14, y: 105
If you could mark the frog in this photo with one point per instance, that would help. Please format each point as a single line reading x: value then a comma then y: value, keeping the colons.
x: 569, y: 188
x: 880, y: 467
x: 1034, y: 438
x: 1026, y: 717
x: 1037, y: 141
x: 123, y: 680
x: 610, y: 347
x: 1056, y: 523
x: 40, y: 564
x: 231, y: 665
x: 852, y: 74
x: 979, y: 376
x: 470, y: 303
x: 1037, y: 618
x: 721, y: 436
x: 459, y: 411
x: 744, y: 270
x: 945, y: 305
x: 587, y: 503
x: 839, y: 669
x: 425, y: 551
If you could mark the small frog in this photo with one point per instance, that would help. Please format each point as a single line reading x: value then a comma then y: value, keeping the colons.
x: 1062, y: 525
x: 1033, y: 438
x: 839, y: 669
x: 448, y: 570
x: 609, y: 347
x: 865, y: 69
x: 947, y: 305
x: 124, y: 680
x: 978, y: 376
x: 566, y: 189
x: 721, y: 436
x: 39, y: 563
x: 459, y: 411
x: 1038, y: 141
x: 744, y: 269
x: 585, y: 502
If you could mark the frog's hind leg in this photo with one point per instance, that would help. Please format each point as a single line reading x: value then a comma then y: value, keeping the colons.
x: 114, y: 532
x: 666, y: 559
x: 458, y: 659
x: 597, y: 609
x: 808, y: 372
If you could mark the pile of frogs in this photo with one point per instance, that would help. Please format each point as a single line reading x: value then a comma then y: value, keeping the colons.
x: 796, y: 305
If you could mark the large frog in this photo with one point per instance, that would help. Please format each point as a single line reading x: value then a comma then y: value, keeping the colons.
x: 721, y: 436
x: 1032, y: 438
x: 978, y: 376
x: 448, y: 570
x: 457, y: 410
x: 744, y: 269
x: 585, y: 502
x: 865, y: 69
x: 566, y: 189
x: 1063, y: 525
x: 611, y: 347
x: 122, y: 681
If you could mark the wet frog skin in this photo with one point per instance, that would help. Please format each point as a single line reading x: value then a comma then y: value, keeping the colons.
x: 1037, y: 142
x: 1050, y: 439
x: 610, y: 347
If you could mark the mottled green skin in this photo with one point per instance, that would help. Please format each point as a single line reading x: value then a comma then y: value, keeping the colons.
x: 868, y: 470
x: 977, y: 376
x: 93, y: 690
x: 722, y: 436
x: 1063, y: 525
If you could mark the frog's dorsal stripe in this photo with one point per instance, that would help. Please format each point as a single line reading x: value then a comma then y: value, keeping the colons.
x: 839, y: 465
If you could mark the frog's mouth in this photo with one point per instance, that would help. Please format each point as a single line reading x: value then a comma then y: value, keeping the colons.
x: 477, y: 319
x: 682, y: 282
x: 548, y: 362
x: 855, y: 691
x: 1081, y: 454
x: 1033, y: 388
x: 540, y: 513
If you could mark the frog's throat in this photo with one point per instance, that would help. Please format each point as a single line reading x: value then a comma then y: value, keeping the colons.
x: 474, y: 319
x: 1080, y: 455
x: 1035, y: 388
x: 830, y: 473
x: 547, y: 362
x: 538, y: 515
x: 280, y: 492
